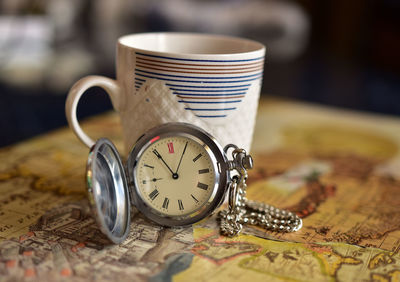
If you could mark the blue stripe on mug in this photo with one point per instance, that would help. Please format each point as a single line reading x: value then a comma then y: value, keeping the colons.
x: 210, y: 95
x: 223, y: 109
x: 208, y: 102
x: 214, y: 116
x: 195, y: 90
x: 203, y: 86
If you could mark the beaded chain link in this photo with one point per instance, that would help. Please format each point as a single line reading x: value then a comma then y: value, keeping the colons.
x: 242, y: 211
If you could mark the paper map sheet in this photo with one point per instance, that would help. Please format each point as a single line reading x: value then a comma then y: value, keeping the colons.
x: 340, y: 171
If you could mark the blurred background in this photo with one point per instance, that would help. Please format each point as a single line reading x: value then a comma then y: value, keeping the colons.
x: 334, y: 52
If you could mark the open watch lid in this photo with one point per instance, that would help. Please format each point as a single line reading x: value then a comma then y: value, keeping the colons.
x: 108, y: 190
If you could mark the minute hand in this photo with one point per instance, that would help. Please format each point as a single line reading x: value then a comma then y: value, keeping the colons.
x: 184, y: 149
x: 161, y: 158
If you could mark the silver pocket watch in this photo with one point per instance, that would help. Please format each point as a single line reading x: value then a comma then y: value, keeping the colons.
x: 175, y: 175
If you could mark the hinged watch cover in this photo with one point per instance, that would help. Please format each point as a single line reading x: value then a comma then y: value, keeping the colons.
x: 108, y: 190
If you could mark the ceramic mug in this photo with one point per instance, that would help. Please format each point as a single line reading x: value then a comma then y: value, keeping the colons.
x: 211, y: 81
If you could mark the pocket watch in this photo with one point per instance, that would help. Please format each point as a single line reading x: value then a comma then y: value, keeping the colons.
x: 175, y: 175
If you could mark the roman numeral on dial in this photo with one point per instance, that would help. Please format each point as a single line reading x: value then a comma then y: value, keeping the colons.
x: 180, y: 204
x: 165, y: 203
x: 154, y: 194
x: 202, y: 186
x: 206, y: 170
x: 170, y: 147
x: 197, y: 157
x: 194, y: 198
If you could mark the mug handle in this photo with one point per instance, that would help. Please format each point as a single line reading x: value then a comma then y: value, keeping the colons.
x: 78, y: 89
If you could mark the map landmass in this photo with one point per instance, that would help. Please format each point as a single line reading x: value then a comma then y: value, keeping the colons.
x: 67, y: 242
x: 286, y: 261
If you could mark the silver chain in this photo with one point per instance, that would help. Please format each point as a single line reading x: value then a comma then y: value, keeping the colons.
x: 242, y: 211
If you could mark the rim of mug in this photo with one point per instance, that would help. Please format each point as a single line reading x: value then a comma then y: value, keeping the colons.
x: 258, y: 48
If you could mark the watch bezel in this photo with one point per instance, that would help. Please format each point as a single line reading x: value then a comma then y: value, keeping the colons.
x: 219, y: 162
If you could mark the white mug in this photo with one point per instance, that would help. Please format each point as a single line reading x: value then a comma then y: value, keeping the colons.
x: 211, y: 81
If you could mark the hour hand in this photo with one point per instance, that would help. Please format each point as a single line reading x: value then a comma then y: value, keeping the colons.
x: 151, y: 180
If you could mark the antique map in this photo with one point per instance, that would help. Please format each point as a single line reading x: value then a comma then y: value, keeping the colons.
x: 338, y: 170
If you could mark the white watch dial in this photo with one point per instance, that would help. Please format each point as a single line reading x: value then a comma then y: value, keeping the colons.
x: 175, y: 175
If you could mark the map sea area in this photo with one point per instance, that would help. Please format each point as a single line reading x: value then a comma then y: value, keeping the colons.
x: 339, y: 171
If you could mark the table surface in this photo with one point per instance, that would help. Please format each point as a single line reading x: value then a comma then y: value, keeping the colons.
x: 338, y: 170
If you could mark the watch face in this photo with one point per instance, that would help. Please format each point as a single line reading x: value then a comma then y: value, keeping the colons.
x: 176, y: 172
x: 175, y: 175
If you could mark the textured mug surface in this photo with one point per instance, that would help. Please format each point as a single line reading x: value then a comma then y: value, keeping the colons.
x: 211, y: 81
